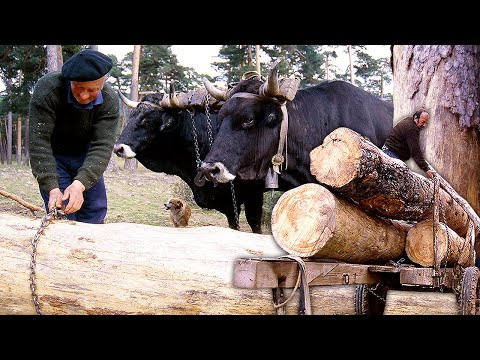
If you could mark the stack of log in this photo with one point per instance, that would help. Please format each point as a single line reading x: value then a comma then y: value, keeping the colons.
x: 370, y: 208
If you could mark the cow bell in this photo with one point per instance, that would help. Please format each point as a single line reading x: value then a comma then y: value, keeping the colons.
x: 271, y: 180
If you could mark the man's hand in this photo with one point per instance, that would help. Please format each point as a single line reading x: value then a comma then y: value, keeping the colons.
x: 55, y: 199
x: 430, y: 174
x: 74, y: 194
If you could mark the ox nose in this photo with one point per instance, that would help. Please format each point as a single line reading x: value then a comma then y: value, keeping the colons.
x: 209, y: 170
x: 118, y: 149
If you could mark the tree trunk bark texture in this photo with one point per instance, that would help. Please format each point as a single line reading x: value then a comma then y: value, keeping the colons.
x: 126, y: 268
x: 443, y: 79
x: 310, y: 221
x: 379, y: 184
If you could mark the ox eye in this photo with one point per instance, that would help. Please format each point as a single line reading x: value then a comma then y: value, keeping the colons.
x: 248, y: 123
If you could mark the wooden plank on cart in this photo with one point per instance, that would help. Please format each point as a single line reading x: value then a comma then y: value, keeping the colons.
x: 426, y: 276
x: 257, y: 273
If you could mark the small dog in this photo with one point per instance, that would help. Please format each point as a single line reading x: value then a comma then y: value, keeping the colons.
x: 180, y: 211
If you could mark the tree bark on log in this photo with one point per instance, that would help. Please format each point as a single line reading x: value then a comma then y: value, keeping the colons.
x: 310, y: 221
x: 378, y: 183
x: 126, y: 268
x: 400, y: 302
x: 451, y: 249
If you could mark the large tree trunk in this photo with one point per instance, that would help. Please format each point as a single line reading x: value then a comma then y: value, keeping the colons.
x: 132, y: 164
x: 126, y: 268
x: 379, y: 184
x: 310, y: 221
x: 444, y: 79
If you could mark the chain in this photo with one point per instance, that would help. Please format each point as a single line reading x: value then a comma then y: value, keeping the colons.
x: 209, y: 121
x: 53, y: 214
x: 195, y: 140
x: 444, y: 219
x: 372, y: 291
x: 210, y: 139
x: 232, y: 187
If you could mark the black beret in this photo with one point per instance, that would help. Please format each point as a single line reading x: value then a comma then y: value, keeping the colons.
x: 86, y: 65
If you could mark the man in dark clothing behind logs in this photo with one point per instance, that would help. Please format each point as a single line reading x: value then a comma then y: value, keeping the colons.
x: 403, y: 142
x: 74, y: 114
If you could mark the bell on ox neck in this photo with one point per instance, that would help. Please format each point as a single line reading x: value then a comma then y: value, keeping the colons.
x: 271, y: 180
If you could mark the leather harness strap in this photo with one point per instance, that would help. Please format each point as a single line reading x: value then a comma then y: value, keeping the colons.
x: 304, y: 305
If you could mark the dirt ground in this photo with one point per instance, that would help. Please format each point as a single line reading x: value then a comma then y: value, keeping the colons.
x: 134, y: 196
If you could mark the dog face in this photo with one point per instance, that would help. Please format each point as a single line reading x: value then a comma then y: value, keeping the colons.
x: 180, y: 211
x: 173, y: 204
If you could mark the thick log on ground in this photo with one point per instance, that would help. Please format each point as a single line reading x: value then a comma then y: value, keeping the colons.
x: 310, y: 221
x: 379, y: 184
x: 451, y: 248
x: 126, y: 268
x: 399, y: 302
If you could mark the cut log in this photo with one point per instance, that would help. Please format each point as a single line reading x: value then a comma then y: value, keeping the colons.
x: 451, y: 248
x: 126, y: 268
x: 310, y: 221
x: 353, y: 166
x: 400, y: 302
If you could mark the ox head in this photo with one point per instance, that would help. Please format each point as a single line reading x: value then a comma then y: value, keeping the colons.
x: 148, y: 119
x: 249, y: 134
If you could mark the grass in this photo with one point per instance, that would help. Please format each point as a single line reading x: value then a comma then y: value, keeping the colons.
x: 133, y: 196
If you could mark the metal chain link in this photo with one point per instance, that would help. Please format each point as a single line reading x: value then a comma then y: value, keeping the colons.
x: 444, y: 218
x: 197, y: 154
x: 209, y: 121
x: 237, y: 222
x: 195, y: 140
x: 53, y: 214
x: 372, y: 291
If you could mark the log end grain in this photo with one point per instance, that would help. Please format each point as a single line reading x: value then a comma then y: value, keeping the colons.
x: 339, y: 152
x: 420, y: 244
x: 302, y: 220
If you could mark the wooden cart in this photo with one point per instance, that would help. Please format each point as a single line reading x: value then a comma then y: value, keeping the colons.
x: 372, y: 282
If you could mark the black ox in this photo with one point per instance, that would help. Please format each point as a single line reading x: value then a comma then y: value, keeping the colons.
x: 167, y: 134
x: 251, y: 121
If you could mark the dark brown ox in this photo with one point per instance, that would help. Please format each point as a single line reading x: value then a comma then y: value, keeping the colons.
x: 250, y: 137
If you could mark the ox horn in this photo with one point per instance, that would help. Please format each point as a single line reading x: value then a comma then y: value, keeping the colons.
x: 212, y: 90
x: 270, y: 87
x: 170, y: 100
x: 130, y: 103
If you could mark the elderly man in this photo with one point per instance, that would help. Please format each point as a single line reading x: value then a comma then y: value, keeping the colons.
x: 403, y: 142
x: 74, y: 115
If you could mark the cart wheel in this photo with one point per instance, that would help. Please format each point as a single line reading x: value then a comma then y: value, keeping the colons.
x: 369, y: 302
x: 470, y: 291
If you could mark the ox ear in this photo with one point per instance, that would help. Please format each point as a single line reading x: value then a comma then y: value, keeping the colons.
x: 167, y: 123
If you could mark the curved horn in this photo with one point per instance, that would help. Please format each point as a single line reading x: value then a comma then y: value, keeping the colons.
x: 270, y: 87
x: 170, y: 100
x: 130, y: 103
x: 212, y: 90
